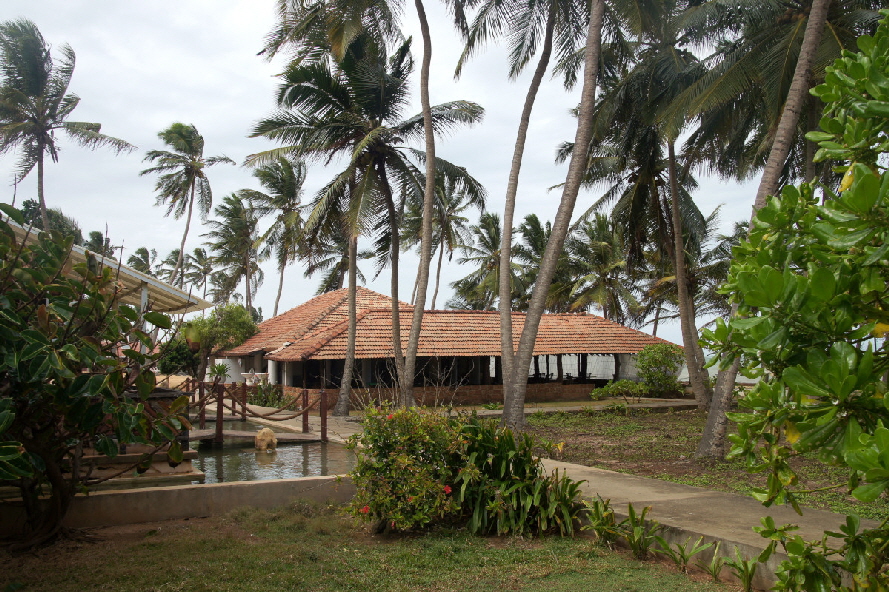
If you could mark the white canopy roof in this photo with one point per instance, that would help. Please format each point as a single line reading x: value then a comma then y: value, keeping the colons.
x: 137, y: 288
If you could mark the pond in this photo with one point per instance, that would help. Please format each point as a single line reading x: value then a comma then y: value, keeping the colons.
x: 239, y: 461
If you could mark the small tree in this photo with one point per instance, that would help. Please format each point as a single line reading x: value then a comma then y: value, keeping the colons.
x: 178, y: 357
x: 811, y: 286
x: 229, y: 325
x: 657, y: 365
x: 72, y: 374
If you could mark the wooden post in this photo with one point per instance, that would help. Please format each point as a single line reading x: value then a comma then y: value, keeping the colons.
x: 323, y: 404
x: 220, y: 395
x: 243, y: 401
x: 616, y: 367
x: 203, y: 403
x: 305, y: 405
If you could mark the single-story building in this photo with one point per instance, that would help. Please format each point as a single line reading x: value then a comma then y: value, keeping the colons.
x: 458, y: 355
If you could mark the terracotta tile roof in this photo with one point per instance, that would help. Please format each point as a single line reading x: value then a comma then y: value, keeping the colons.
x: 318, y: 314
x: 468, y: 333
x: 318, y: 329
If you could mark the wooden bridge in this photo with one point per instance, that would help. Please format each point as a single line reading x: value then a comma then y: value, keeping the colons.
x: 233, y: 397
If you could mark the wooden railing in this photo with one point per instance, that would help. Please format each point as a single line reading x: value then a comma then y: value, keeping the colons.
x: 234, y: 396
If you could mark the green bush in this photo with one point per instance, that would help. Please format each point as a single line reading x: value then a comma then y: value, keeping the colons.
x: 627, y: 389
x: 267, y: 395
x: 415, y: 467
x: 406, y: 466
x: 658, y: 365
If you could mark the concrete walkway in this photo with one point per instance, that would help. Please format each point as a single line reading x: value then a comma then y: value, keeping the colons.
x: 683, y: 510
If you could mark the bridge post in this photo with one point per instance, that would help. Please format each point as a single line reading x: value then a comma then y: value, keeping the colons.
x: 203, y: 403
x: 323, y: 409
x: 305, y: 404
x: 243, y: 401
x: 220, y: 408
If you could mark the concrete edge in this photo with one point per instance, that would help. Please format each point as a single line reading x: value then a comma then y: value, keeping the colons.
x: 155, y: 504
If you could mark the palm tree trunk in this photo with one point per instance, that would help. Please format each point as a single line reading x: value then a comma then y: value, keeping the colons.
x: 394, y: 229
x: 512, y: 187
x: 693, y: 361
x: 342, y: 402
x: 438, y: 274
x: 280, y: 289
x: 44, y: 217
x: 514, y: 406
x: 793, y: 105
x: 712, y: 444
x: 413, y: 343
x: 248, y: 301
x: 184, y: 236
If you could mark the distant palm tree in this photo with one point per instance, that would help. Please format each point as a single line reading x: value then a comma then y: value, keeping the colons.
x: 35, y: 103
x: 232, y: 240
x: 198, y: 269
x: 144, y: 261
x: 182, y: 177
x: 99, y: 244
x: 167, y: 266
x: 283, y: 178
x: 480, y: 289
x: 596, y: 258
x: 453, y: 196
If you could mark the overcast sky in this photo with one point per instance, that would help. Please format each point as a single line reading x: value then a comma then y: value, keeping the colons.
x: 144, y: 65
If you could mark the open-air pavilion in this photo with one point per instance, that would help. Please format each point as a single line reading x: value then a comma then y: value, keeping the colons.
x: 459, y: 350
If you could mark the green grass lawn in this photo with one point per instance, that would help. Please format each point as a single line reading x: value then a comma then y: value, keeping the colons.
x: 303, y: 547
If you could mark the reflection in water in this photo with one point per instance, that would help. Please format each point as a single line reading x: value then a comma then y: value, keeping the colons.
x: 232, y: 462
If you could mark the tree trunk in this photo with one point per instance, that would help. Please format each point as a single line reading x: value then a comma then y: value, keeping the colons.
x: 514, y: 405
x: 406, y: 390
x: 44, y: 217
x: 713, y: 439
x: 793, y: 105
x: 438, y: 274
x: 182, y: 244
x: 512, y: 186
x: 560, y: 370
x: 342, y: 402
x: 395, y: 246
x: 280, y: 289
x: 693, y: 358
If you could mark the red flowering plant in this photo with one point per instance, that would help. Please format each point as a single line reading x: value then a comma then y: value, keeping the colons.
x: 406, y: 460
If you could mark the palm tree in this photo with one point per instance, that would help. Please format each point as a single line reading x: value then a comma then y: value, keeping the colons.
x: 35, y: 103
x: 99, y: 244
x: 352, y: 108
x: 596, y: 258
x: 144, y: 261
x: 284, y: 179
x: 167, y: 267
x: 453, y: 196
x: 198, y: 269
x: 480, y: 289
x: 528, y: 252
x: 232, y: 241
x: 182, y: 177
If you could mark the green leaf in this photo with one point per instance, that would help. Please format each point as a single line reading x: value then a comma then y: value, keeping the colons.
x: 869, y: 491
x: 158, y: 319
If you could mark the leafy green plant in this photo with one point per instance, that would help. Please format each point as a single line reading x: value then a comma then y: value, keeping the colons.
x: 492, y: 406
x: 681, y: 555
x: 65, y: 384
x: 715, y: 565
x: 219, y: 372
x: 811, y: 287
x: 640, y: 533
x: 178, y: 357
x: 627, y: 389
x: 658, y: 365
x: 744, y: 570
x: 601, y: 520
x: 504, y: 487
x: 267, y: 395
